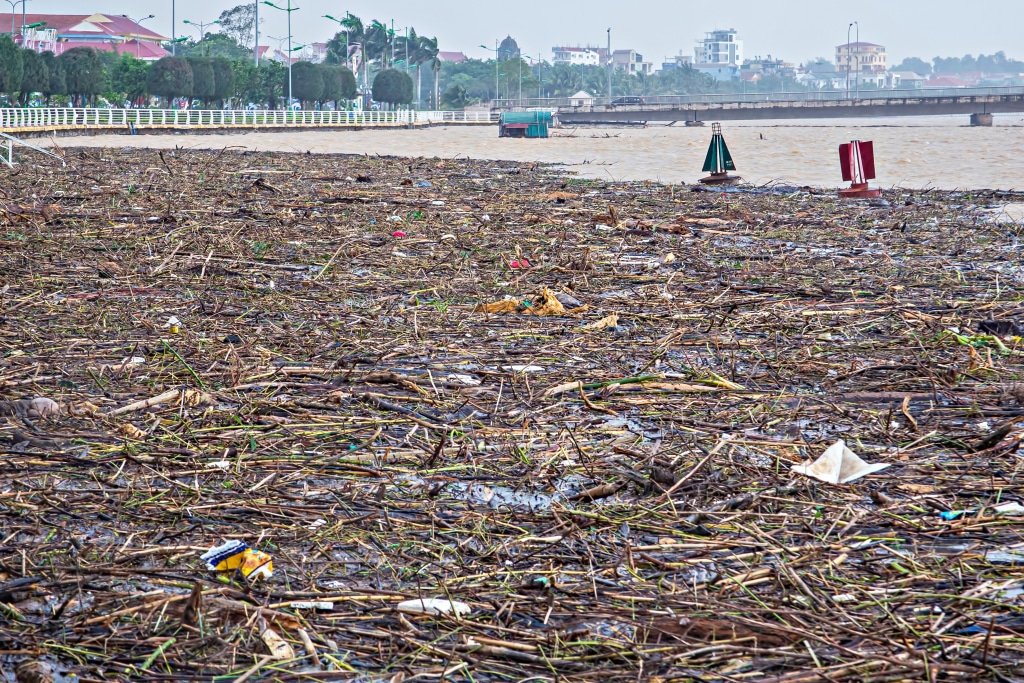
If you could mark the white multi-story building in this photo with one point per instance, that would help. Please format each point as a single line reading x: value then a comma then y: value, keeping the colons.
x: 631, y: 62
x: 719, y: 47
x: 573, y: 56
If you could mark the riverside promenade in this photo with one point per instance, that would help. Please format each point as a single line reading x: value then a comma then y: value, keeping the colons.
x: 68, y: 120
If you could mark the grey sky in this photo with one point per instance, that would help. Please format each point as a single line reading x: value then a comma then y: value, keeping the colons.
x: 794, y: 30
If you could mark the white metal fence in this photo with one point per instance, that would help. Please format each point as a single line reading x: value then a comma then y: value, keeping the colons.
x: 66, y: 117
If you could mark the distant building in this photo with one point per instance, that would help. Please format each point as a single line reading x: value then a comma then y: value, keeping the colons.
x: 509, y: 49
x: 453, y: 57
x: 719, y: 55
x: 105, y: 32
x: 279, y: 56
x: 582, y: 99
x: 719, y: 47
x: 317, y: 52
x: 720, y: 72
x: 864, y: 62
x: 631, y: 62
x: 573, y: 56
x: 906, y: 79
x: 946, y: 82
x: 821, y: 80
x: 677, y: 62
x: 766, y: 67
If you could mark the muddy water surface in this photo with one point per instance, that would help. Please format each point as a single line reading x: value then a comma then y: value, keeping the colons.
x: 939, y: 152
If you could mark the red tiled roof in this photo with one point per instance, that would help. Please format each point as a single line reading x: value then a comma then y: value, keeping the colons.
x: 103, y: 24
x: 946, y: 82
x: 455, y: 57
x: 146, y: 50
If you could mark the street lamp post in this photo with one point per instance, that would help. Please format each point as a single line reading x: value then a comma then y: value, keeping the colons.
x: 849, y: 59
x: 14, y: 7
x: 611, y: 66
x: 520, y: 80
x: 496, y: 52
x: 856, y: 80
x: 345, y: 28
x: 202, y: 26
x: 138, y: 40
x: 289, y: 9
x: 280, y: 42
x: 256, y: 41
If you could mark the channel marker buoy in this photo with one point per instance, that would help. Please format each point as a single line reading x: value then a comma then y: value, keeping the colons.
x: 857, y: 160
x: 718, y: 161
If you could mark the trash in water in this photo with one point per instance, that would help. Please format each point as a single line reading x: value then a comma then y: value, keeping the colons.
x: 237, y: 556
x: 434, y: 606
x: 838, y: 465
x: 1004, y: 509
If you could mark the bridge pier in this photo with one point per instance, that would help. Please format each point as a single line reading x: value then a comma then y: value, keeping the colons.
x: 981, y: 120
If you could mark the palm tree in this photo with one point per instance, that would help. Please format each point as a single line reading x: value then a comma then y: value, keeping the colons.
x: 423, y: 50
x: 357, y: 35
x: 565, y: 81
x: 378, y: 38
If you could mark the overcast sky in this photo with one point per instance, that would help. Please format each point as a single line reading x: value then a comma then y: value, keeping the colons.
x: 794, y: 30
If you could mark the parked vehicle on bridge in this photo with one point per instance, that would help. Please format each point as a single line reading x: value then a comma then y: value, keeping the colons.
x: 623, y: 101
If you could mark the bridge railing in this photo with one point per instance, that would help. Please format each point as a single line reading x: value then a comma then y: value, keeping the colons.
x: 553, y: 104
x: 43, y: 117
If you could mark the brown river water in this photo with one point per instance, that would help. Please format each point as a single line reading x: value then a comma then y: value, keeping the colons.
x: 925, y: 152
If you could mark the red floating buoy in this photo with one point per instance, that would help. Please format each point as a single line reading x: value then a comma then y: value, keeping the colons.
x: 857, y: 160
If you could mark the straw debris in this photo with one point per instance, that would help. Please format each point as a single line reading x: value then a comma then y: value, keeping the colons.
x: 598, y: 490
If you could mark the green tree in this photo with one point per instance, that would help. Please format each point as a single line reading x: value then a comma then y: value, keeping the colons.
x: 35, y: 74
x: 475, y: 75
x: 307, y: 82
x: 339, y: 84
x: 215, y: 45
x: 271, y: 82
x: 223, y: 79
x: 564, y: 81
x: 355, y: 34
x: 423, y: 50
x: 204, y: 84
x: 393, y: 87
x: 108, y: 62
x: 11, y: 66
x: 56, y: 85
x: 915, y: 64
x: 378, y: 39
x: 332, y: 83
x: 455, y: 97
x: 349, y: 87
x: 246, y: 82
x: 170, y: 77
x: 239, y: 24
x: 83, y: 73
x: 129, y: 76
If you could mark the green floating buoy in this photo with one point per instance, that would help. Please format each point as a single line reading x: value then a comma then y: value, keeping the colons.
x: 719, y: 161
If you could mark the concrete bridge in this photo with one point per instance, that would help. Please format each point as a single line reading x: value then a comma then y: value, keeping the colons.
x: 980, y: 103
